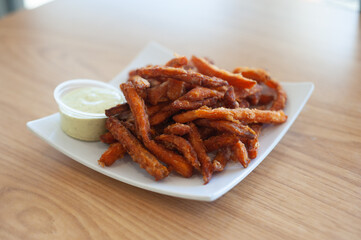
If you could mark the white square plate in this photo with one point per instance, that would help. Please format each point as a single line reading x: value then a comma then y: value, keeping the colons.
x: 125, y: 170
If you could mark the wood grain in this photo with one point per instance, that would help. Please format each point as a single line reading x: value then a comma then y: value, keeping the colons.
x: 309, y: 187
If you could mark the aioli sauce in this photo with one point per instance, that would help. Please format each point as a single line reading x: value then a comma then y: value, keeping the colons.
x: 93, y: 100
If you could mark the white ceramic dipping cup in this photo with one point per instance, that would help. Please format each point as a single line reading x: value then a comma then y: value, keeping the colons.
x: 79, y: 124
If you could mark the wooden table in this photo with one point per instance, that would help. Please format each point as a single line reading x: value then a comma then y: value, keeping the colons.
x: 309, y: 187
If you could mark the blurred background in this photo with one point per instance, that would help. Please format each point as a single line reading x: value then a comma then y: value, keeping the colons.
x: 9, y: 6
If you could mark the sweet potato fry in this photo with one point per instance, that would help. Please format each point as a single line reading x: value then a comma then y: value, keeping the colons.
x: 191, y: 105
x: 177, y: 129
x: 220, y: 160
x: 177, y: 62
x: 153, y: 109
x: 242, y: 114
x: 175, y: 89
x: 113, y: 153
x: 229, y: 99
x: 137, y: 107
x: 158, y: 93
x: 220, y: 141
x: 140, y: 85
x: 253, y: 144
x: 183, y: 146
x: 200, y: 93
x: 208, y: 69
x: 162, y: 115
x: 241, y: 93
x: 118, y: 109
x: 227, y: 126
x: 135, y: 149
x: 139, y: 82
x: 203, y: 158
x: 175, y: 161
x: 181, y: 75
x: 108, y: 138
x: 261, y: 75
x: 239, y: 153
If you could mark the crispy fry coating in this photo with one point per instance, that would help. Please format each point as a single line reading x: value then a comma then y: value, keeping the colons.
x: 208, y: 69
x: 175, y: 89
x: 200, y: 93
x: 153, y: 109
x: 175, y: 161
x: 107, y: 138
x: 113, y: 153
x: 118, y: 109
x: 137, y: 107
x: 136, y: 150
x: 177, y: 129
x: 177, y: 62
x: 242, y: 114
x: 221, y: 159
x: 140, y: 85
x: 227, y: 126
x: 181, y: 75
x: 229, y: 99
x: 203, y: 158
x: 139, y: 82
x: 191, y: 105
x: 239, y: 154
x: 183, y: 146
x: 220, y: 141
x: 163, y: 115
x: 158, y: 93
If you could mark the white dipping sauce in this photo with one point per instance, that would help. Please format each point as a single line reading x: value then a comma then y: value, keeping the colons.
x: 91, y: 100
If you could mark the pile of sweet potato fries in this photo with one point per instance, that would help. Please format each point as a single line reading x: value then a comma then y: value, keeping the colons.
x: 177, y: 113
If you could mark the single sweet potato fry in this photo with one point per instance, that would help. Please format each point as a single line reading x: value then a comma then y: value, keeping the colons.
x: 227, y: 126
x: 113, y: 153
x: 181, y: 75
x: 137, y: 107
x: 177, y: 129
x: 177, y: 62
x: 220, y: 141
x: 239, y: 154
x: 201, y: 93
x: 221, y: 159
x: 118, y: 109
x: 183, y: 146
x: 107, y: 138
x: 163, y: 115
x: 191, y: 105
x: 242, y: 114
x: 208, y: 69
x: 203, y: 158
x: 136, y: 150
